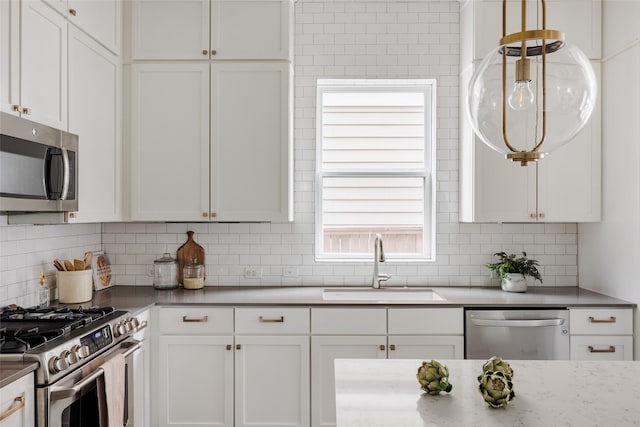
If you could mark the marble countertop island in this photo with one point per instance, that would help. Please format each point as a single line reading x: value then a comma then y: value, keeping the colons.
x: 378, y: 392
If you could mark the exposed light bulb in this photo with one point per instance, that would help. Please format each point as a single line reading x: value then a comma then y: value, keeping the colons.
x: 521, y: 97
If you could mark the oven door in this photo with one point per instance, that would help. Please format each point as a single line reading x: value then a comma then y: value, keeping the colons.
x: 73, y: 401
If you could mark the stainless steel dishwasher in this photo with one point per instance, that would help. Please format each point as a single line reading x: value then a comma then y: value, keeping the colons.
x: 538, y: 334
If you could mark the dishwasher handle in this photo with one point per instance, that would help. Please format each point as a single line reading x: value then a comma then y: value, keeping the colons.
x: 521, y: 323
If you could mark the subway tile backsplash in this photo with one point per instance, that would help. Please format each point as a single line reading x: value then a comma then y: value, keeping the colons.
x: 333, y: 39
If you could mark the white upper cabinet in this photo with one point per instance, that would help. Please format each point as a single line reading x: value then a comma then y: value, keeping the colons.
x: 250, y: 139
x: 217, y: 29
x: 34, y: 62
x: 100, y: 19
x: 170, y: 142
x: 95, y: 116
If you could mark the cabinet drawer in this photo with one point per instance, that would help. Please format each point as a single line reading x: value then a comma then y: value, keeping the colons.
x: 598, y: 347
x: 349, y: 321
x: 601, y: 321
x: 195, y: 320
x: 272, y: 320
x: 433, y: 321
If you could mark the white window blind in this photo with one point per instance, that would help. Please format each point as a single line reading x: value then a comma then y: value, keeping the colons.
x: 374, y: 165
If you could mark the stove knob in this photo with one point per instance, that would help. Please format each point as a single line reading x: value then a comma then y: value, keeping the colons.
x: 57, y: 364
x: 70, y: 356
x: 79, y: 352
x: 133, y: 321
x: 120, y: 329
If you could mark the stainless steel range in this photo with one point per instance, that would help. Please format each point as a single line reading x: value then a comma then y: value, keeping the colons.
x: 69, y: 345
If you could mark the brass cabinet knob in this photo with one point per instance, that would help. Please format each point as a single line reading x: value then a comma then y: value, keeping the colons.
x: 228, y: 346
x: 532, y: 215
x: 392, y: 347
x: 213, y: 52
x: 205, y: 52
x: 382, y: 347
x: 17, y: 108
x: 238, y: 346
x: 541, y: 215
x: 213, y: 214
x: 72, y: 214
x: 205, y: 215
x: 73, y: 12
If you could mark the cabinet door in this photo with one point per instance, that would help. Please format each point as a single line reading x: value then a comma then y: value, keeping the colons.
x: 9, y: 56
x: 195, y: 381
x: 140, y: 411
x: 324, y: 350
x: 94, y: 115
x: 170, y: 142
x: 581, y: 21
x: 251, y: 29
x: 426, y: 347
x: 250, y: 141
x: 570, y: 178
x: 43, y: 83
x: 100, y: 19
x: 272, y: 381
x: 170, y: 29
x: 18, y: 396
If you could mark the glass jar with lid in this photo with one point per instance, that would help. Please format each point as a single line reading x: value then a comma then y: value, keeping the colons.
x: 165, y: 272
x: 193, y: 275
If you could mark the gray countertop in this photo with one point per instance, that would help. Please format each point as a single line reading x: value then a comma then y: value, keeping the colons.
x: 12, y: 371
x: 134, y: 298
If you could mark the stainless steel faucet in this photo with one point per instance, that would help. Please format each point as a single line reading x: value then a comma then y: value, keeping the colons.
x: 378, y: 256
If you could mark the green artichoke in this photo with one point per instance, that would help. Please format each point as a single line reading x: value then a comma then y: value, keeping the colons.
x: 496, y: 388
x: 496, y: 364
x: 433, y: 377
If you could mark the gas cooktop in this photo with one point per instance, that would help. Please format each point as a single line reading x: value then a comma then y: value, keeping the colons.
x: 27, y: 329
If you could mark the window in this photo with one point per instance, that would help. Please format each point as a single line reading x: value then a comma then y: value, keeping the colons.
x: 375, y: 148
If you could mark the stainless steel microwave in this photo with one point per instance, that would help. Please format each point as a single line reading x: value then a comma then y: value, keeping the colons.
x: 38, y: 167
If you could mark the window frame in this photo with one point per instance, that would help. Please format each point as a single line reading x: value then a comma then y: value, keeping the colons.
x: 429, y: 88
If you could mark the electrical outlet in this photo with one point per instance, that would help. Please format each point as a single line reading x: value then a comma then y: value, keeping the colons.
x: 290, y: 271
x: 253, y: 272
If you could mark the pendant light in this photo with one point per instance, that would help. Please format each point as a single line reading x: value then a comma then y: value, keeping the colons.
x: 531, y: 94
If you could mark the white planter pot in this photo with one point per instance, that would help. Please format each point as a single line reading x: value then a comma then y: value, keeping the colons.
x: 514, y: 282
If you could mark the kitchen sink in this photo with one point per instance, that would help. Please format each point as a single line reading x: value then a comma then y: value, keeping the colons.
x: 383, y: 294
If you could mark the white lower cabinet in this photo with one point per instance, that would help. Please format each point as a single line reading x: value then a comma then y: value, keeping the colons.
x: 601, y: 333
x: 324, y: 350
x: 194, y: 369
x: 17, y: 403
x: 272, y: 381
x: 376, y: 333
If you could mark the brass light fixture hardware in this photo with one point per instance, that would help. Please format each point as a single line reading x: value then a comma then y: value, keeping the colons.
x: 533, y: 89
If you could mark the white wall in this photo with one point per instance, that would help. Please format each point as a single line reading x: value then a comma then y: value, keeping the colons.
x: 609, y: 251
x: 333, y: 39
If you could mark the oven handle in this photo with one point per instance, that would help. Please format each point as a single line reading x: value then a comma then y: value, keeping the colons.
x: 530, y: 323
x: 77, y: 387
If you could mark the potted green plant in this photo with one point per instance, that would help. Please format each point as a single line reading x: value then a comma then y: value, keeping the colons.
x: 512, y: 270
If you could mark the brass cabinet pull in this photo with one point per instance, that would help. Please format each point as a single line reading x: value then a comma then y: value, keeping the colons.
x: 205, y: 215
x: 611, y: 349
x: 541, y: 215
x: 382, y: 347
x: 20, y: 404
x: 277, y: 320
x: 17, y: 108
x: 26, y: 110
x: 205, y: 52
x: 72, y: 214
x: 392, y: 347
x: 238, y: 346
x: 202, y: 319
x: 532, y: 215
x: 611, y: 319
x: 213, y: 52
x: 73, y: 12
x: 213, y: 214
x: 228, y: 346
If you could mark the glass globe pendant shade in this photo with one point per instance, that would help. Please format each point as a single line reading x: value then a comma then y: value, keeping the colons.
x: 550, y: 113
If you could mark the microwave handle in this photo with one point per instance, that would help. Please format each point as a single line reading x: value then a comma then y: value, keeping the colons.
x: 66, y: 174
x: 60, y: 157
